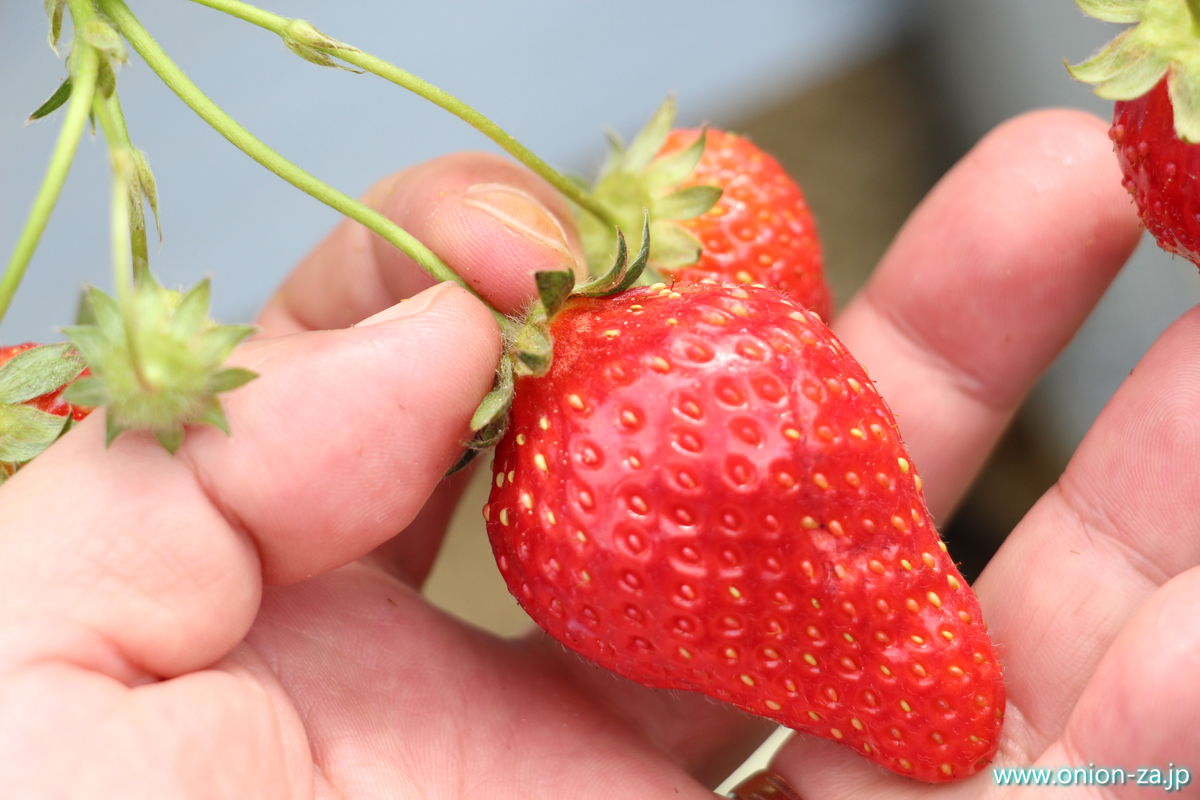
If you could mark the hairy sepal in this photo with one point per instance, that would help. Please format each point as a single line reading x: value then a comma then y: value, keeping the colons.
x: 531, y: 351
x: 1164, y: 42
x: 635, y: 180
x: 38, y: 371
x: 158, y: 364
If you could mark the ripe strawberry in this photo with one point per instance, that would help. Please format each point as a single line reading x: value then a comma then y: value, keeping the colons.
x: 761, y: 230
x: 51, y: 402
x: 1162, y: 172
x: 33, y: 412
x: 1151, y: 71
x: 706, y: 492
x: 719, y: 208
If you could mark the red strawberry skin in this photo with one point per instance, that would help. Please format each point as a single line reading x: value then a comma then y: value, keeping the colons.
x: 761, y: 230
x: 1160, y: 171
x: 51, y: 402
x: 706, y: 492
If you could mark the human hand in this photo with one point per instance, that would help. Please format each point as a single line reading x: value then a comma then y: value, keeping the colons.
x: 243, y: 620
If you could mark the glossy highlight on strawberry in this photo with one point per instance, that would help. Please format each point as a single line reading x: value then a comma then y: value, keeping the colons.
x: 706, y: 492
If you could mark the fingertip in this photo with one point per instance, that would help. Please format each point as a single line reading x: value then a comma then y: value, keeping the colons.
x: 346, y: 433
x: 492, y: 221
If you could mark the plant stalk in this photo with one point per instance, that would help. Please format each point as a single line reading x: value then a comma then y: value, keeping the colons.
x: 84, y: 69
x: 187, y: 91
x: 107, y: 112
x: 282, y: 26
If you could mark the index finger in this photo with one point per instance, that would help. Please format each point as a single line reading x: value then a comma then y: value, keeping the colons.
x: 495, y: 221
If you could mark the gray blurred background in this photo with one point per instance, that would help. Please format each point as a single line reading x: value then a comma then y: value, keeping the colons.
x: 867, y: 102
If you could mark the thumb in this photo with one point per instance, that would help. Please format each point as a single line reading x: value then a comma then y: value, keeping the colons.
x: 334, y: 449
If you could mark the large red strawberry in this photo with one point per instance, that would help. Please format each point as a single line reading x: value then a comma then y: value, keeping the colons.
x: 1153, y: 72
x: 719, y: 208
x: 706, y: 492
x: 33, y: 412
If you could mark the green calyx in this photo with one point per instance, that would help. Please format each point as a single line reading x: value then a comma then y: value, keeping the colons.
x: 530, y: 350
x: 26, y: 431
x: 636, y: 181
x: 158, y: 363
x: 1165, y: 41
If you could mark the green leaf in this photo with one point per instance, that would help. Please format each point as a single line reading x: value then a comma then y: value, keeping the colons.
x: 554, y: 287
x: 192, y: 313
x: 230, y: 378
x: 303, y: 39
x: 35, y: 372
x: 104, y: 37
x: 668, y: 172
x: 91, y: 342
x: 53, y: 103
x: 673, y: 246
x: 1122, y: 70
x: 170, y: 439
x: 148, y: 186
x: 106, y: 81
x: 686, y: 203
x: 650, y: 139
x: 89, y: 392
x: 495, y: 404
x: 613, y: 274
x: 1113, y: 10
x: 219, y: 342
x: 25, y: 432
x: 112, y: 428
x: 1184, y: 90
x: 640, y: 262
x: 215, y: 415
x: 84, y: 315
x: 54, y: 10
x: 534, y: 350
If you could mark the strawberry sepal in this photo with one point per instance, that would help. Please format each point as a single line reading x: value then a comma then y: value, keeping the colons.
x: 1164, y: 43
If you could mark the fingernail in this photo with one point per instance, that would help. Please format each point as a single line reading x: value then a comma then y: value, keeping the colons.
x: 417, y: 304
x: 521, y: 213
x: 765, y: 785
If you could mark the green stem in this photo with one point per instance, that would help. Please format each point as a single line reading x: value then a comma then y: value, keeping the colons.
x: 1194, y: 8
x: 287, y: 28
x: 107, y: 112
x: 120, y: 238
x: 84, y: 68
x: 187, y: 91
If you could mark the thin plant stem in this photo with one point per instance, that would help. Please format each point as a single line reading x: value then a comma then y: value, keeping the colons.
x: 288, y: 29
x: 107, y: 111
x: 84, y: 69
x: 187, y: 91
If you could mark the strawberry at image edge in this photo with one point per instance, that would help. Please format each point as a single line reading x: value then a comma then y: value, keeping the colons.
x: 1152, y: 72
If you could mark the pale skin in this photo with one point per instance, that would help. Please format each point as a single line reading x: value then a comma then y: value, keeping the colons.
x: 243, y: 620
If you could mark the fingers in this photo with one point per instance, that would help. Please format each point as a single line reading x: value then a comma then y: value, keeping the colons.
x: 1139, y: 709
x: 1120, y: 522
x: 493, y: 221
x: 987, y: 281
x: 137, y: 563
